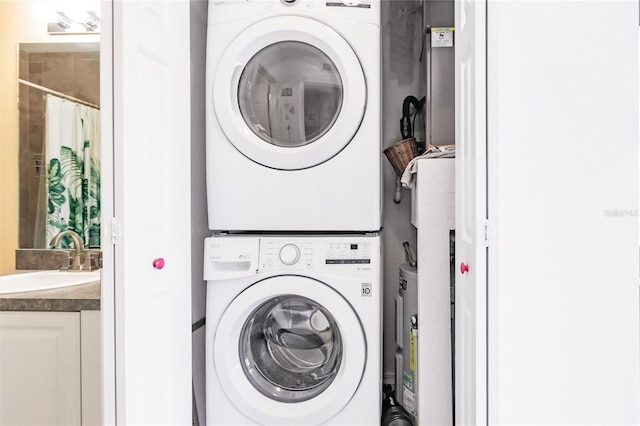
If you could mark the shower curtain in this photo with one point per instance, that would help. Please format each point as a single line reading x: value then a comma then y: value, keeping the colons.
x: 73, y: 170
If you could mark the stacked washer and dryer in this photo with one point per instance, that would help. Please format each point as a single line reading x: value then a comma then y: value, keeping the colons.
x: 293, y: 268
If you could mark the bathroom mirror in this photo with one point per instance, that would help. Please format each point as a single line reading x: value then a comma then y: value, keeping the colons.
x: 59, y: 142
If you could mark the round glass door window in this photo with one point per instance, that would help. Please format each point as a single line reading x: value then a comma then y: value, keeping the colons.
x: 290, y: 94
x: 290, y: 348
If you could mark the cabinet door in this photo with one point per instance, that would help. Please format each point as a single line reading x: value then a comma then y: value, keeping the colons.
x: 39, y: 368
x: 90, y: 349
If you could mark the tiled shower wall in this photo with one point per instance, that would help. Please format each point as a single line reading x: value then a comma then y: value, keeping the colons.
x: 75, y: 74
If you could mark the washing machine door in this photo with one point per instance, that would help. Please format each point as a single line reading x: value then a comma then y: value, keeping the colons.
x: 289, y: 350
x: 289, y: 93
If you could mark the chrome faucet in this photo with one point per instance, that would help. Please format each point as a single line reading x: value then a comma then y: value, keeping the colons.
x: 77, y: 263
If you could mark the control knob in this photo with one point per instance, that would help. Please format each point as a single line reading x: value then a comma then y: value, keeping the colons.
x: 289, y: 254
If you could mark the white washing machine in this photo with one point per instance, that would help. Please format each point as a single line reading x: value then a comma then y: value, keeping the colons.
x: 293, y: 330
x: 293, y: 115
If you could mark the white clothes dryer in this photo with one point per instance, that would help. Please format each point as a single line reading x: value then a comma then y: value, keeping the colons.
x: 293, y: 115
x: 293, y: 334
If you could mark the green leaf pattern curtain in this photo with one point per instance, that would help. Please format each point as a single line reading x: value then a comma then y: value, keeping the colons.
x: 73, y: 170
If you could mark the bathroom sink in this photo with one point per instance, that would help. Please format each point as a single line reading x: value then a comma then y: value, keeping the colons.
x: 45, y: 280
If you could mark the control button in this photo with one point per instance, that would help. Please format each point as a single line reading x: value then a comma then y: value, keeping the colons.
x: 289, y: 254
x: 269, y: 265
x: 308, y: 264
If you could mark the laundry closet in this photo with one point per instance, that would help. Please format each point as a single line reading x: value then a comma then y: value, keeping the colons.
x: 544, y: 212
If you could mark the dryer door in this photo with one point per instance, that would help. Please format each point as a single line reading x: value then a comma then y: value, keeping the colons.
x: 289, y: 93
x: 289, y: 350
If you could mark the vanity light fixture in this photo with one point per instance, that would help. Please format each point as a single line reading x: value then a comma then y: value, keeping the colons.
x: 63, y: 21
x: 84, y: 22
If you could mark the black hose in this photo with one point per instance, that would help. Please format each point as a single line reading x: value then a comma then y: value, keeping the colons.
x: 405, y: 122
x: 392, y: 413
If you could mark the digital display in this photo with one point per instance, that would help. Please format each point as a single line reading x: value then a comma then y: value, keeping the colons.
x: 346, y: 253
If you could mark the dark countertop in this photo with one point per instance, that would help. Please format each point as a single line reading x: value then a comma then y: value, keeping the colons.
x: 83, y: 297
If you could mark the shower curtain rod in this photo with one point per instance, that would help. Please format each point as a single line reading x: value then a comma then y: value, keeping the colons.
x: 60, y: 95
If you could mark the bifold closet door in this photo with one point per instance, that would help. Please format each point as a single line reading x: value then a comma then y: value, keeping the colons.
x: 562, y: 143
x: 470, y: 213
x: 147, y: 276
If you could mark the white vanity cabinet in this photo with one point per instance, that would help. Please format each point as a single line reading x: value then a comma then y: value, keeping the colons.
x: 49, y: 368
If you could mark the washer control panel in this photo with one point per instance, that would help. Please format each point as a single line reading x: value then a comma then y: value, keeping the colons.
x: 289, y: 254
x: 277, y: 253
x: 348, y: 253
x: 313, y: 252
x: 237, y: 256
